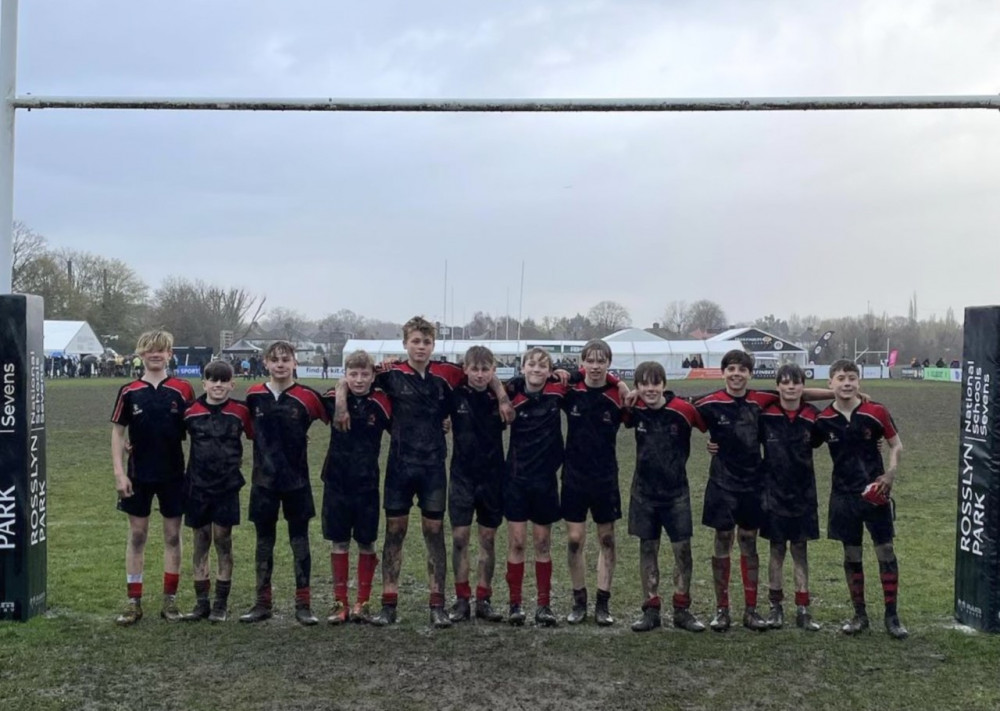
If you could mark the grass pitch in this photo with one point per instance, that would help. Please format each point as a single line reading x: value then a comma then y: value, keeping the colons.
x: 75, y: 657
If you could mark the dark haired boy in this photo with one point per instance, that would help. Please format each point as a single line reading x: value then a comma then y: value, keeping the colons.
x: 788, y: 435
x: 593, y: 407
x: 282, y: 411
x: 852, y: 430
x: 420, y: 391
x: 660, y: 497
x: 351, y: 485
x: 148, y: 425
x: 215, y: 424
x: 476, y: 482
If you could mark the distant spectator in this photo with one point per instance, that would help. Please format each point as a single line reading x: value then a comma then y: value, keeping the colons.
x: 914, y: 363
x: 927, y: 362
x: 956, y: 364
x: 940, y: 363
x: 686, y: 363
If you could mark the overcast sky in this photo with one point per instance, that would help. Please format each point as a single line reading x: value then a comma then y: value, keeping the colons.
x: 826, y: 213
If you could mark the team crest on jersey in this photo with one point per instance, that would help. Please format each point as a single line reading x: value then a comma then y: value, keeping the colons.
x: 675, y: 430
x: 574, y: 412
x: 771, y: 437
x: 832, y: 437
x: 723, y: 420
x: 866, y: 433
x: 406, y: 390
x: 606, y: 418
x: 136, y: 410
x: 641, y: 427
x: 371, y: 420
x: 463, y: 408
x: 173, y: 408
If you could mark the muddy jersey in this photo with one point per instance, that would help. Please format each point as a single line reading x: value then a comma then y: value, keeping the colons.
x: 477, y: 433
x: 420, y: 403
x: 154, y: 416
x: 788, y: 438
x: 216, y: 433
x: 281, y: 427
x: 733, y: 425
x: 662, y: 448
x: 593, y: 416
x: 535, y: 451
x: 351, y: 463
x: 853, y: 443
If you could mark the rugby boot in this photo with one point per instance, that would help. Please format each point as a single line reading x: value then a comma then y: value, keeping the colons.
x: 753, y: 621
x: 804, y: 621
x: 544, y: 617
x: 776, y: 616
x: 684, y: 619
x: 304, y: 616
x: 219, y: 613
x: 131, y: 614
x: 361, y: 612
x: 649, y: 621
x: 338, y: 613
x: 170, y: 612
x: 722, y: 620
x: 578, y: 614
x: 485, y: 611
x: 461, y: 611
x: 602, y: 615
x: 515, y: 615
x: 201, y: 611
x: 258, y: 613
x: 859, y: 623
x: 439, y: 618
x: 894, y: 627
x: 385, y: 617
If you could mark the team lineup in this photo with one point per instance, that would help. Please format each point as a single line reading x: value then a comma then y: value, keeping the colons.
x: 761, y: 481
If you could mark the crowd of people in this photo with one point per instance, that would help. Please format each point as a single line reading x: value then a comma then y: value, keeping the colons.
x: 761, y: 481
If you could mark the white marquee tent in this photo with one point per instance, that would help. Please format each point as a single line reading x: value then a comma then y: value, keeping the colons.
x: 71, y: 338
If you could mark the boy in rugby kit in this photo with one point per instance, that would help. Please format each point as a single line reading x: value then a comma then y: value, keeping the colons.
x: 861, y: 485
x: 476, y: 482
x: 148, y: 425
x: 660, y: 498
x: 420, y: 391
x: 593, y: 408
x: 351, y: 485
x: 282, y: 412
x: 788, y: 435
x: 531, y: 489
x: 215, y: 424
x: 734, y: 490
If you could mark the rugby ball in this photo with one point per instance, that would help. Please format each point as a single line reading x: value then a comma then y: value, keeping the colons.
x: 874, y: 496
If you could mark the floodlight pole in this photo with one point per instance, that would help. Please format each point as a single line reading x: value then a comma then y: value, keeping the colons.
x: 8, y: 91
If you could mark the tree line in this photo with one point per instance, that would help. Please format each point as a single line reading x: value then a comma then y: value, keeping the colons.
x: 119, y: 305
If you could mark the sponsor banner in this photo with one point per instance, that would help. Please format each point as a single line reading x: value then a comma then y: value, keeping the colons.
x: 893, y: 357
x: 977, y: 573
x: 871, y: 372
x: 23, y: 484
x: 704, y: 374
x: 189, y: 371
x: 316, y: 371
x: 911, y: 373
x: 769, y: 373
x: 943, y: 375
x: 756, y: 341
x: 628, y: 374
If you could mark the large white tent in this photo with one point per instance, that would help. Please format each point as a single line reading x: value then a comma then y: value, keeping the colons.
x: 71, y: 338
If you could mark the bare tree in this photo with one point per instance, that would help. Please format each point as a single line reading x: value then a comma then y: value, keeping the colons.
x: 196, y: 312
x: 29, y: 247
x: 609, y: 316
x: 675, y: 316
x: 705, y: 315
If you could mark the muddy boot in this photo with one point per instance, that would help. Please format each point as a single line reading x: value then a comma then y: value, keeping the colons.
x: 439, y: 618
x: 485, y: 611
x: 649, y: 621
x: 385, y: 617
x: 170, y: 612
x: 894, y: 627
x: 753, y: 621
x: 461, y: 611
x: 131, y: 614
x: 516, y: 616
x: 544, y: 617
x: 776, y: 616
x: 722, y: 620
x: 201, y: 611
x: 684, y: 619
x: 804, y: 621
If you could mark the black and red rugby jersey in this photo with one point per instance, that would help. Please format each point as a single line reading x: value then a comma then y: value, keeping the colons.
x: 593, y: 416
x: 535, y: 450
x: 420, y: 403
x: 733, y: 425
x: 154, y: 416
x: 853, y: 444
x: 216, y: 451
x: 788, y: 438
x: 281, y: 425
x: 477, y: 433
x: 662, y: 447
x: 351, y: 463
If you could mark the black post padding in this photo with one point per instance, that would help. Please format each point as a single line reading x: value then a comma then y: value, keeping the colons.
x: 977, y: 578
x: 23, y: 485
